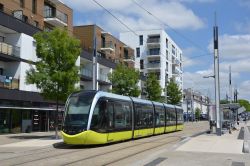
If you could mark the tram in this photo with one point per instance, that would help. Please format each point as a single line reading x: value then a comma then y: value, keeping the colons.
x: 96, y: 117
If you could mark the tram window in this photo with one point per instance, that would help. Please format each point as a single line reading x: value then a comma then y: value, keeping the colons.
x: 110, y: 116
x: 144, y: 116
x: 179, y: 116
x: 159, y: 116
x: 170, y: 116
x: 99, y: 117
x: 122, y: 115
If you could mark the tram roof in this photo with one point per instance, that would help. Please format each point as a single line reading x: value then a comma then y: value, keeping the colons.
x: 138, y: 100
x: 112, y: 95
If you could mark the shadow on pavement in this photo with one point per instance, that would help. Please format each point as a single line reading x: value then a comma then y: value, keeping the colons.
x: 30, y: 137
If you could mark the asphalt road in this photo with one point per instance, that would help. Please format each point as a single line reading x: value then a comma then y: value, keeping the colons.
x: 145, y: 151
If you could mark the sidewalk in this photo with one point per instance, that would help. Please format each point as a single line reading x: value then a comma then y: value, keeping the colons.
x: 211, y: 143
x: 28, y: 139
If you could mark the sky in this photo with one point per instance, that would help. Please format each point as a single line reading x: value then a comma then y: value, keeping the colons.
x: 190, y: 24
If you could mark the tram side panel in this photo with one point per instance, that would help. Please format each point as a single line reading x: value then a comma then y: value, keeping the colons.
x: 159, y: 121
x: 143, y: 120
x: 120, y: 115
x: 170, y: 119
x: 180, y: 120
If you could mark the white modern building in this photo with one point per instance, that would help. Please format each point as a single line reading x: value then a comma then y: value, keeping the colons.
x: 156, y: 52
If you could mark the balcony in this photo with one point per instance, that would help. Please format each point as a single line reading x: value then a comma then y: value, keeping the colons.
x: 8, y: 82
x: 103, y: 77
x: 153, y: 41
x: 129, y: 58
x: 176, y: 71
x: 16, y: 20
x: 151, y: 53
x: 107, y: 46
x: 175, y: 62
x: 55, y: 17
x: 86, y: 72
x: 9, y: 49
x: 153, y: 66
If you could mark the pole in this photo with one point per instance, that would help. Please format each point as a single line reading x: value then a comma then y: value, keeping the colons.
x: 217, y: 82
x: 230, y: 85
x: 94, y: 60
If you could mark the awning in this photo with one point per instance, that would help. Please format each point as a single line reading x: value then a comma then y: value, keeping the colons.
x: 30, y: 108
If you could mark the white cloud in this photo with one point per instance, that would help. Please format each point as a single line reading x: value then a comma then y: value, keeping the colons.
x: 134, y: 16
x: 244, y: 90
x: 233, y: 46
x: 196, y: 81
x: 243, y: 27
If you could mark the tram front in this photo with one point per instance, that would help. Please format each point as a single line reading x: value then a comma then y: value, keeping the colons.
x: 77, y: 111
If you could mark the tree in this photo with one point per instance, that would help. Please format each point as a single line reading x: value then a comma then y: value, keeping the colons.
x: 153, y: 88
x: 174, y: 94
x: 125, y: 80
x: 197, y: 113
x: 244, y: 103
x: 55, y: 73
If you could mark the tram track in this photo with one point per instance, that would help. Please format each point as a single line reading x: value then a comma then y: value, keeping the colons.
x: 119, y: 159
x: 53, y: 154
x: 93, y: 156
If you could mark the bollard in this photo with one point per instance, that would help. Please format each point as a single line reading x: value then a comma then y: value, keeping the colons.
x: 246, y: 143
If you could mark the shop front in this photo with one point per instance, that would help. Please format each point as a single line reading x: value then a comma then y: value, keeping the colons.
x: 16, y: 120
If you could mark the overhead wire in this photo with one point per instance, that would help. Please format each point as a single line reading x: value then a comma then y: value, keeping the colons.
x: 134, y: 32
x: 167, y: 25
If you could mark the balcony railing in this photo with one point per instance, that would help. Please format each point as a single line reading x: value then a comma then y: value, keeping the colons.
x: 9, y: 49
x: 108, y: 46
x: 49, y: 13
x: 129, y: 58
x: 151, y: 53
x: 9, y: 82
x: 154, y: 65
x: 86, y: 72
x: 153, y: 40
x: 103, y: 77
x: 18, y: 14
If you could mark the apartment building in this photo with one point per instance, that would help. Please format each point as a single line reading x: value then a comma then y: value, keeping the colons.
x: 156, y: 53
x: 193, y: 100
x: 22, y: 108
x: 109, y: 52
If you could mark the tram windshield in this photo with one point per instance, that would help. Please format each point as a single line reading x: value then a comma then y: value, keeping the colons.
x: 77, y: 109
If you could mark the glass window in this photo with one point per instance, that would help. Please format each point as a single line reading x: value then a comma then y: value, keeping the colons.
x: 77, y: 109
x: 159, y: 116
x: 154, y: 51
x: 141, y: 39
x: 144, y: 116
x: 4, y: 121
x: 34, y: 6
x: 99, y: 118
x: 170, y: 116
x: 137, y: 52
x: 122, y: 115
x: 22, y: 3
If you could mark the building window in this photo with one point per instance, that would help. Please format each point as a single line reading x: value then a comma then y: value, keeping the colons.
x: 1, y: 7
x: 173, y: 49
x: 137, y: 52
x: 141, y: 39
x: 22, y: 3
x: 141, y: 64
x: 154, y: 51
x: 34, y: 4
x: 167, y: 42
x: 36, y: 24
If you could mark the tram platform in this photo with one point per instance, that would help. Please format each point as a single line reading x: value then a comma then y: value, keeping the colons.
x: 226, y: 143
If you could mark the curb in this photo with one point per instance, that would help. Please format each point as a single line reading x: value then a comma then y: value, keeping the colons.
x: 246, y: 143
